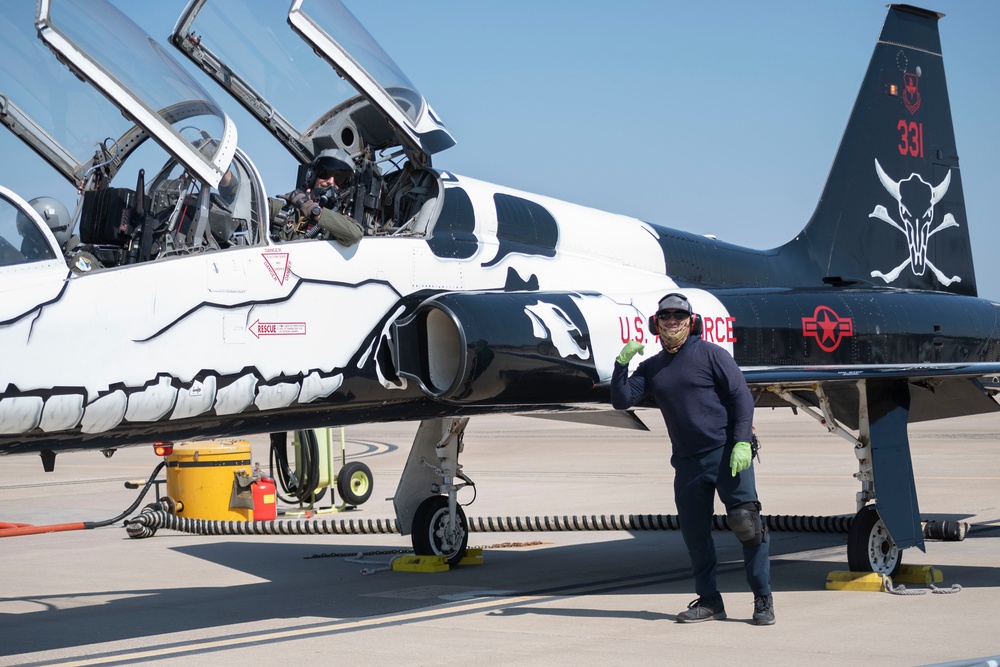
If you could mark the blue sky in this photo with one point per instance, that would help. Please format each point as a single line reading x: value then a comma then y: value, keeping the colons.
x: 716, y: 118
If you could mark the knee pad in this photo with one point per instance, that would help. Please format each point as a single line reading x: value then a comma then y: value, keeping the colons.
x: 744, y: 521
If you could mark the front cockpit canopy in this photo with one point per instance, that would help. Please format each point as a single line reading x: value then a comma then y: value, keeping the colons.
x: 112, y: 111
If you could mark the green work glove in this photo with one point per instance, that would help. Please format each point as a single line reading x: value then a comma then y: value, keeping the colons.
x: 741, y: 458
x: 629, y: 351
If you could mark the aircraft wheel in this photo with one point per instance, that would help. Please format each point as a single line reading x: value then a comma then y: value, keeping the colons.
x: 354, y: 483
x: 870, y: 548
x: 431, y: 536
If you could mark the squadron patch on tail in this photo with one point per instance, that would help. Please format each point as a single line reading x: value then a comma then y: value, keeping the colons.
x: 916, y: 199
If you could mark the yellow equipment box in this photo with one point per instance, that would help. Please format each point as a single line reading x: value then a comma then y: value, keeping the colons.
x: 212, y: 480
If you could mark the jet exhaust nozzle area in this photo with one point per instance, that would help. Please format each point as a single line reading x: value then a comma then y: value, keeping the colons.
x: 483, y: 348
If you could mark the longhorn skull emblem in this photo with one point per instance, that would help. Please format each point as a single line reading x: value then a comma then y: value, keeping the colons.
x: 916, y: 199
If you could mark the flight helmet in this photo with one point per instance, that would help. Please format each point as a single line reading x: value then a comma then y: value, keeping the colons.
x: 55, y: 215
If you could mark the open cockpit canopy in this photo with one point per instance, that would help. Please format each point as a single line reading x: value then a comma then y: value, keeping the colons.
x: 312, y: 75
x: 86, y: 88
x: 130, y: 89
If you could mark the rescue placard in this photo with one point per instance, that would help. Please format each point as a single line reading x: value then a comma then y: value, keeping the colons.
x: 259, y: 328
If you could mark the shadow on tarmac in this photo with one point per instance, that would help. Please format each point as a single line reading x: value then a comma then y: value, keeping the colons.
x: 294, y: 585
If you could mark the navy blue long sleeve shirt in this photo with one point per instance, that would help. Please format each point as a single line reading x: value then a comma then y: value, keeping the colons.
x: 700, y: 391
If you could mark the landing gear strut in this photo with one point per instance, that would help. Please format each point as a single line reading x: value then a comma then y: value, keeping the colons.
x: 882, y: 417
x: 436, y: 522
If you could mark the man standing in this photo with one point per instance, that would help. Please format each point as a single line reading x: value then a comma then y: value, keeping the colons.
x: 708, y: 410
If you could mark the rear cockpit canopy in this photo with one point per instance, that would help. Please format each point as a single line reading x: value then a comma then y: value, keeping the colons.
x: 309, y: 72
x: 318, y: 81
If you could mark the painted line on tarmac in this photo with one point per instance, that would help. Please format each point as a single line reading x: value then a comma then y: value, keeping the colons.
x: 370, y: 448
x: 338, y: 627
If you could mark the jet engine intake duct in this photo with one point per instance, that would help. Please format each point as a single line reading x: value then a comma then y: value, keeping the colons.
x: 509, y: 348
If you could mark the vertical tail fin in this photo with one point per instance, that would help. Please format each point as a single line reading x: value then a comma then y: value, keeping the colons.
x: 893, y: 211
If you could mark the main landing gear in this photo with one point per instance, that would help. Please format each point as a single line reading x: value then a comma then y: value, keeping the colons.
x: 870, y: 547
x: 882, y: 417
x: 437, y: 523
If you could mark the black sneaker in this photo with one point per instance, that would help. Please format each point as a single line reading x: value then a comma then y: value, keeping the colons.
x: 763, y: 610
x: 698, y: 611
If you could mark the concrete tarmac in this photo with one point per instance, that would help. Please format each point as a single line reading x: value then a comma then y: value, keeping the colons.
x: 97, y: 597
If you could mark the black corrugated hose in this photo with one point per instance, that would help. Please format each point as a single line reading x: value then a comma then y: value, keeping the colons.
x: 159, y: 515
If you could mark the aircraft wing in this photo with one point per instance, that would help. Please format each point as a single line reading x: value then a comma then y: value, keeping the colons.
x: 762, y: 375
x: 937, y: 391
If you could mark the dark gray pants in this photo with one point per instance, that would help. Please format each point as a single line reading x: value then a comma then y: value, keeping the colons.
x: 696, y: 480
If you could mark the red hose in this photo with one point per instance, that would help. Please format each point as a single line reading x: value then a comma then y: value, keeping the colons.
x: 15, y: 529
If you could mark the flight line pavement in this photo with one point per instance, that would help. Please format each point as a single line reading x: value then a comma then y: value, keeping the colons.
x: 97, y: 597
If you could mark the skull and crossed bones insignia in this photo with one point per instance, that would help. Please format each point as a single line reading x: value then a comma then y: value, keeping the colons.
x: 916, y: 198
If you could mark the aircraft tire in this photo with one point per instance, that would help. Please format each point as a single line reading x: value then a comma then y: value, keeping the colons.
x: 870, y: 548
x: 430, y: 531
x: 354, y: 483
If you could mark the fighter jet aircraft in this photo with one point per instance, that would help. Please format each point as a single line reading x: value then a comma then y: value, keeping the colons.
x: 194, y: 313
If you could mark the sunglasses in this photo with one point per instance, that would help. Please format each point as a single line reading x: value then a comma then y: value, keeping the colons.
x: 339, y: 175
x: 678, y: 315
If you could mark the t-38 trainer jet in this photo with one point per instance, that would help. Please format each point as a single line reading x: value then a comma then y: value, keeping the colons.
x: 184, y: 310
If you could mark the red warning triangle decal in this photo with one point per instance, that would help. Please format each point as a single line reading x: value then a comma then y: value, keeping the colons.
x: 278, y: 265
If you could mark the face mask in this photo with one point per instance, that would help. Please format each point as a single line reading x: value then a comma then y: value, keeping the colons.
x: 672, y: 338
